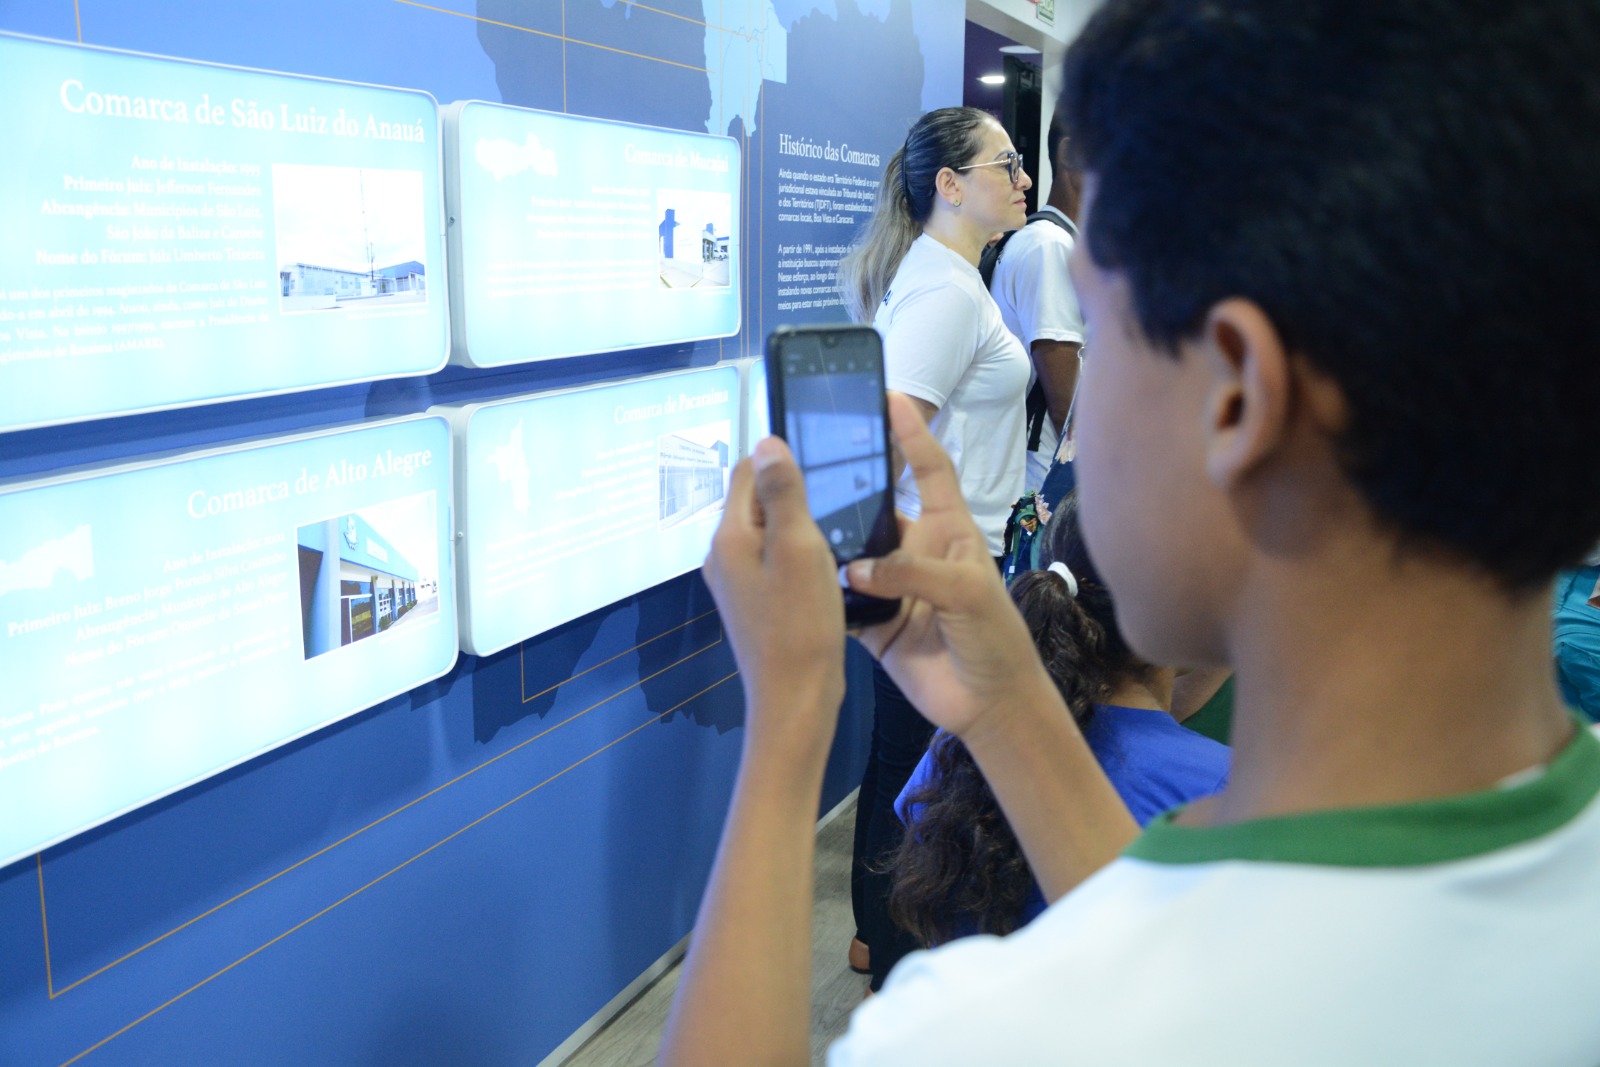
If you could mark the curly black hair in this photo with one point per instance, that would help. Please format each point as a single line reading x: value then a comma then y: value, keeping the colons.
x: 959, y: 868
x: 1407, y: 190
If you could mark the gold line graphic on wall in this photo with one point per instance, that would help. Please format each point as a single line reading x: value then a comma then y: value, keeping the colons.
x: 552, y: 36
x: 53, y: 993
x: 522, y: 658
x: 393, y: 870
x: 39, y: 859
x: 44, y: 921
x: 686, y: 18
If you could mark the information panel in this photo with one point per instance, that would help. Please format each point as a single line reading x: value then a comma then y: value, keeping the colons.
x: 575, y: 235
x: 161, y: 622
x: 179, y: 233
x: 573, y: 500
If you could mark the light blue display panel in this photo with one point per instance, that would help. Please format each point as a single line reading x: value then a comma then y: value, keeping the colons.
x: 180, y: 233
x: 758, y: 416
x: 575, y: 235
x: 161, y: 622
x: 573, y: 500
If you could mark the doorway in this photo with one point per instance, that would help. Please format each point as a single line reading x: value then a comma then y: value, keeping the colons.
x: 1003, y: 78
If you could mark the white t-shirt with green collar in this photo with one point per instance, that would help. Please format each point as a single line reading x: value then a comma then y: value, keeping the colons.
x: 1463, y: 931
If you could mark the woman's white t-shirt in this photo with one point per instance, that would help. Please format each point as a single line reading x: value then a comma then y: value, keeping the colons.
x: 944, y: 342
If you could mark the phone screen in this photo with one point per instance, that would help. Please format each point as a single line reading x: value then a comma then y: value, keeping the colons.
x: 834, y: 421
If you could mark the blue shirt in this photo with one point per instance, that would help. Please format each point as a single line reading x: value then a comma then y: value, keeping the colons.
x: 1154, y: 765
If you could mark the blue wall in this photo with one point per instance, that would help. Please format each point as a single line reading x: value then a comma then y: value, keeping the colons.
x: 467, y: 873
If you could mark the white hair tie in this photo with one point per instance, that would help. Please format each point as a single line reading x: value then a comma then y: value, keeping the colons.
x: 1066, y: 575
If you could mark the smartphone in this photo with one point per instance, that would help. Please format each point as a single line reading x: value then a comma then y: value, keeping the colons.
x: 825, y: 395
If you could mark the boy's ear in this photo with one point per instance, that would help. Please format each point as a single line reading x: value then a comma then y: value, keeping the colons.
x: 1247, y: 407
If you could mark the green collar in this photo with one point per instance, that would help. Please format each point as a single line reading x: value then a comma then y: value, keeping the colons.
x: 1400, y: 835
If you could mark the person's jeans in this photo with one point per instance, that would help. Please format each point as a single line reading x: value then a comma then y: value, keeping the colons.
x: 900, y: 736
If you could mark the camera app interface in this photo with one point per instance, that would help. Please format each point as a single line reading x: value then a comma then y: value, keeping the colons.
x: 835, y: 428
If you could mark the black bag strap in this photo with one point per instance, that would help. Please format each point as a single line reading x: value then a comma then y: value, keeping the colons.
x: 991, y: 255
x: 991, y: 258
x: 1037, y: 409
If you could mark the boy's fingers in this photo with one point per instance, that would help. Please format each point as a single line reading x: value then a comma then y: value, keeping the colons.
x: 741, y: 507
x: 904, y: 574
x: 779, y: 487
x: 739, y: 526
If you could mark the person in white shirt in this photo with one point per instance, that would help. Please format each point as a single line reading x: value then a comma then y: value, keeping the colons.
x: 1316, y: 236
x: 914, y: 275
x: 955, y: 183
x: 1034, y: 293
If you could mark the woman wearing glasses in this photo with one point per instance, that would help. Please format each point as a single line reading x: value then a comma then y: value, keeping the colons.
x: 953, y: 187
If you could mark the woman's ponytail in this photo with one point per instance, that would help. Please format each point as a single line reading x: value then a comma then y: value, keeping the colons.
x: 865, y: 273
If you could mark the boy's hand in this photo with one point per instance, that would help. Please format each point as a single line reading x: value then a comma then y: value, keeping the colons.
x: 958, y: 648
x: 777, y: 587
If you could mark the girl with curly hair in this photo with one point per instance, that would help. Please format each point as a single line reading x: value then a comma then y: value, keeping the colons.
x: 959, y: 869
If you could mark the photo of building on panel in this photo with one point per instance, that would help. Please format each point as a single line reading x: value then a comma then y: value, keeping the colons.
x: 369, y: 572
x: 349, y: 238
x: 835, y: 428
x: 693, y: 230
x: 692, y: 469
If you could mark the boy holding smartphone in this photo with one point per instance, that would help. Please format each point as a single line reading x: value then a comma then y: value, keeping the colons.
x: 1316, y: 237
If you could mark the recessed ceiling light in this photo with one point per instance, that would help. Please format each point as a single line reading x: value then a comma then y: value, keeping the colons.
x: 992, y: 79
x: 1019, y: 50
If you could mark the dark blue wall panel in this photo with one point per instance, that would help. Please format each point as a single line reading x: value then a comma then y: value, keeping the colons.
x: 467, y: 873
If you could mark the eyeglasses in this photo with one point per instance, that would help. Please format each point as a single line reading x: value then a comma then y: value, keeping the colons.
x: 1011, y: 161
